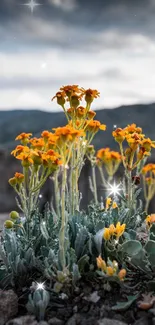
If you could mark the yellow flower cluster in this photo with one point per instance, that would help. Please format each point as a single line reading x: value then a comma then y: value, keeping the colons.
x: 137, y: 143
x: 148, y: 174
x: 150, y: 219
x: 109, y: 204
x: 110, y: 159
x: 114, y: 231
x: 111, y: 268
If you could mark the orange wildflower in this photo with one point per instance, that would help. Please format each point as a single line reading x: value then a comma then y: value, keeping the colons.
x: 90, y: 94
x: 147, y: 144
x: 24, y: 137
x: 119, y: 135
x: 46, y: 135
x: 101, y: 263
x: 112, y: 230
x: 108, y: 203
x: 132, y: 129
x: 114, y: 205
x: 70, y: 90
x: 19, y: 177
x: 19, y: 149
x: 150, y: 219
x: 94, y: 126
x: 37, y: 143
x: 80, y: 112
x: 119, y: 229
x: 122, y: 274
x: 106, y: 234
x: 110, y: 271
x: 148, y: 168
x: 51, y: 159
x: 91, y: 115
x: 67, y: 133
x: 60, y: 96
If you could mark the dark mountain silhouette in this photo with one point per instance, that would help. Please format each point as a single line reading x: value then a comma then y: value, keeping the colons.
x: 16, y: 121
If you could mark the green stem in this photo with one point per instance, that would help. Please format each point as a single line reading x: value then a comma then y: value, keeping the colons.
x: 102, y: 175
x: 57, y: 193
x: 63, y: 223
x: 147, y: 205
x: 94, y: 183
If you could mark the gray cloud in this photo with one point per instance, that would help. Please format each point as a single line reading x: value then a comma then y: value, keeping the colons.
x: 105, y: 44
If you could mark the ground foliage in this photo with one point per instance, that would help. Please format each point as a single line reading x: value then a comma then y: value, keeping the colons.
x: 54, y: 256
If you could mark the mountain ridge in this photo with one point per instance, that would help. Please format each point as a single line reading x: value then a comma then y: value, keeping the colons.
x: 13, y: 122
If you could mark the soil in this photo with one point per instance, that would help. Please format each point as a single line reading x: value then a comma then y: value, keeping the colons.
x: 92, y: 304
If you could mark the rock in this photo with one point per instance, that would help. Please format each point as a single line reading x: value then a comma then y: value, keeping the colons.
x: 8, y: 305
x: 74, y: 320
x: 55, y: 321
x: 107, y: 321
x: 142, y: 321
x: 26, y: 320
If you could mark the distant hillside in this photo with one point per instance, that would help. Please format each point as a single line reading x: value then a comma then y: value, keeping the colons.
x: 16, y: 121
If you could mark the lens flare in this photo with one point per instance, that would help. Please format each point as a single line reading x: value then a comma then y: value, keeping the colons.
x: 114, y: 189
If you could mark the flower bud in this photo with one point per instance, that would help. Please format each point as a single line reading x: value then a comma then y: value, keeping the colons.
x: 122, y: 274
x: 74, y: 101
x: 8, y: 224
x: 13, y: 181
x: 14, y: 215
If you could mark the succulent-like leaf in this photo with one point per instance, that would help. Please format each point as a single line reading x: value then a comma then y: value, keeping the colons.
x: 126, y: 304
x: 75, y: 274
x: 131, y: 247
x: 80, y: 242
x: 98, y: 239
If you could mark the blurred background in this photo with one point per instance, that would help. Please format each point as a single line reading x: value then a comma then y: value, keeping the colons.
x: 107, y: 45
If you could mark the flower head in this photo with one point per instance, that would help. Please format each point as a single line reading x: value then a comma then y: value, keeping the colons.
x: 122, y: 274
x: 106, y: 234
x: 90, y: 94
x: 150, y: 219
x: 119, y: 135
x: 24, y: 137
x: 119, y: 230
x: 60, y: 96
x: 94, y: 126
x: 101, y: 263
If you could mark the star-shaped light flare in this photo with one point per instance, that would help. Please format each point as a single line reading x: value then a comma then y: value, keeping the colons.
x: 32, y: 4
x: 114, y: 189
x: 40, y: 286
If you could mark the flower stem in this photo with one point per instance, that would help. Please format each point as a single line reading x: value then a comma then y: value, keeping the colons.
x: 63, y: 222
x: 94, y: 183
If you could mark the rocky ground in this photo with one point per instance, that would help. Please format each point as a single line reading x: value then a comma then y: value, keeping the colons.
x: 89, y: 304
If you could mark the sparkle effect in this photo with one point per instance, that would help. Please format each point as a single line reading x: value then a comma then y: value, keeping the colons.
x: 31, y: 4
x: 40, y: 286
x: 114, y: 189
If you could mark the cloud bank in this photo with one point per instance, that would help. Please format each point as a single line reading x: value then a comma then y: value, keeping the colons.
x: 108, y: 45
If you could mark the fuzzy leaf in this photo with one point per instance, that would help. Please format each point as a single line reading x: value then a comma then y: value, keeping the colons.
x: 126, y: 304
x: 80, y: 242
x: 150, y: 247
x: 82, y: 262
x: 131, y: 247
x: 76, y: 274
x: 44, y: 230
x: 98, y: 238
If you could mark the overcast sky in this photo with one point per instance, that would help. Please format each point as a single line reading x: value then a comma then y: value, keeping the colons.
x: 108, y: 45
